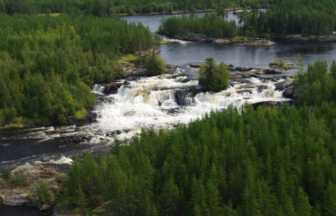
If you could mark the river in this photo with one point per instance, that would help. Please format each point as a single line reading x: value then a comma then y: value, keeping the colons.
x: 181, y: 52
x: 136, y: 106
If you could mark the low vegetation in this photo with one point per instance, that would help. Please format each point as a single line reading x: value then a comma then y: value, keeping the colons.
x: 214, y: 77
x: 155, y: 64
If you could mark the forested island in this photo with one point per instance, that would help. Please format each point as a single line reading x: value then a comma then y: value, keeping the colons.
x: 278, y: 23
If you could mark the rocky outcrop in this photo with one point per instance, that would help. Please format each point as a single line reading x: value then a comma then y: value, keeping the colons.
x: 273, y: 104
x: 326, y: 38
x: 170, y: 68
x: 76, y: 139
x: 260, y: 43
x: 221, y: 41
x: 194, y: 65
x: 184, y: 98
x: 283, y: 85
x: 282, y: 64
x: 111, y: 88
x: 271, y: 71
x: 16, y: 199
x: 45, y: 207
x: 291, y: 92
x: 243, y: 69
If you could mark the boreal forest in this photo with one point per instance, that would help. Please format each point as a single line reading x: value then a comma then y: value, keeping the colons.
x: 48, y: 64
x: 278, y: 161
x: 257, y: 161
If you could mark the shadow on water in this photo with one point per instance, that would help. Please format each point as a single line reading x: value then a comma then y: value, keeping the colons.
x: 22, y: 211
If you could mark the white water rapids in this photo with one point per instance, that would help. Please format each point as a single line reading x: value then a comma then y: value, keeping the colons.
x: 157, y: 102
x: 140, y: 103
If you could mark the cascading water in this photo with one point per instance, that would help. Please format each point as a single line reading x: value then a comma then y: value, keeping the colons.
x: 96, y: 88
x: 167, y: 100
x: 157, y: 102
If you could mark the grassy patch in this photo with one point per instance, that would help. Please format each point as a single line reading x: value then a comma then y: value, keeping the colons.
x: 128, y: 58
x: 12, y: 126
x: 238, y: 39
x: 81, y: 113
x: 277, y: 63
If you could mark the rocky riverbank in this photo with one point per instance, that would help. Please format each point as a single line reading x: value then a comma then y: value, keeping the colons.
x: 36, y: 186
x: 258, y: 42
x: 311, y: 38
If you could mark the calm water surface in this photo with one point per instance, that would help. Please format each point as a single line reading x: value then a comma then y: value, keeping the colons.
x: 181, y: 53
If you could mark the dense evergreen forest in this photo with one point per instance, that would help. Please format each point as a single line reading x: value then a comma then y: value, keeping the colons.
x: 275, y: 22
x: 209, y: 24
x: 113, y: 7
x: 48, y: 64
x: 280, y: 22
x: 269, y: 161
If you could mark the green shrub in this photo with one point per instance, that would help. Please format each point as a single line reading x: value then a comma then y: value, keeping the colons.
x: 155, y: 65
x: 81, y: 113
x: 214, y: 77
x: 41, y: 193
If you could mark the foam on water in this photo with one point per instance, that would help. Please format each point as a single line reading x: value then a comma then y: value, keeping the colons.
x: 151, y: 103
x: 62, y: 160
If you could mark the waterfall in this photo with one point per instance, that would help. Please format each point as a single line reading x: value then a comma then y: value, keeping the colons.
x: 96, y: 88
x: 167, y: 100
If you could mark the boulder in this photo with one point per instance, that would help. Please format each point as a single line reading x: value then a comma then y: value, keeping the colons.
x: 221, y: 41
x: 44, y: 207
x: 184, y: 98
x: 111, y: 88
x: 261, y: 88
x: 283, y: 85
x: 243, y: 68
x: 242, y: 91
x: 288, y: 93
x: 16, y: 200
x: 194, y: 65
x: 272, y: 71
x: 77, y: 140
x: 170, y: 68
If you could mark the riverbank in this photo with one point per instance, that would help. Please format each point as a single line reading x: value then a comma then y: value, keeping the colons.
x: 191, y: 37
x: 310, y: 38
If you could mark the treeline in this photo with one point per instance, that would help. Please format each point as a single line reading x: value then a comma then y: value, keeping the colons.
x: 283, y: 165
x: 48, y: 64
x: 210, y: 24
x: 284, y: 21
x: 114, y: 7
x: 272, y: 23
x: 317, y: 85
